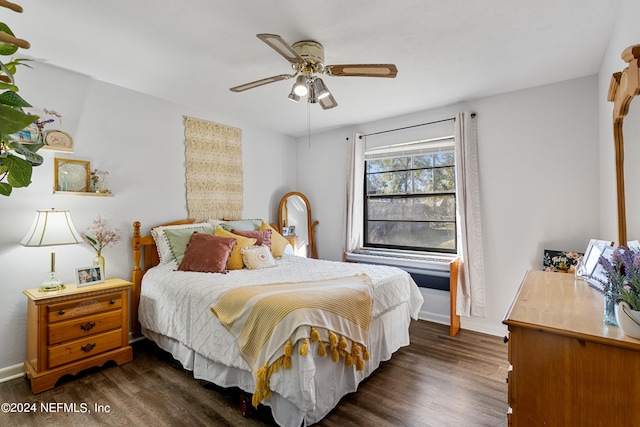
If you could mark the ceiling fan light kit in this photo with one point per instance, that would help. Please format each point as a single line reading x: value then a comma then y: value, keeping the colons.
x: 307, y: 59
x: 321, y: 89
x: 300, y: 86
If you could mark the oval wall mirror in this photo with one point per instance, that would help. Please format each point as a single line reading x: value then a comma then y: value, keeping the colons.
x: 294, y: 216
x: 624, y: 86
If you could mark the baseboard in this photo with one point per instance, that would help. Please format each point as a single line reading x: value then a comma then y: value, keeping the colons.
x: 467, y: 323
x: 11, y: 372
x: 433, y: 317
x: 136, y: 339
x: 17, y: 371
x: 481, y: 326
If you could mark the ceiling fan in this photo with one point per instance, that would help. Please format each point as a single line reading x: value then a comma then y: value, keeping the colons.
x: 307, y: 59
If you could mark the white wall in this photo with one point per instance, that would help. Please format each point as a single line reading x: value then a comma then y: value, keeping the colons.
x: 140, y: 140
x: 538, y: 151
x: 625, y: 34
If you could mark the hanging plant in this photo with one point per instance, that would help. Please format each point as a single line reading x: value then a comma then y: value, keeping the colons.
x: 17, y: 159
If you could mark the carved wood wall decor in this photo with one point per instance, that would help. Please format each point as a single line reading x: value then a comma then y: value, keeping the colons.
x: 624, y: 86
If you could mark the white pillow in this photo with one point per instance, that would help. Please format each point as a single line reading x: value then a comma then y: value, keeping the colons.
x: 256, y: 257
x: 162, y: 243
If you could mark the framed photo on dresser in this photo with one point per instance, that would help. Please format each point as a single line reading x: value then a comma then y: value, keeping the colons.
x: 598, y: 276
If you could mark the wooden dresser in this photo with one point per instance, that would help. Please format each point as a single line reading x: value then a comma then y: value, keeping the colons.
x: 75, y: 329
x: 568, y: 368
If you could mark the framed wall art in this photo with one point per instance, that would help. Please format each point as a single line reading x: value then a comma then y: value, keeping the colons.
x: 58, y: 140
x: 71, y: 175
x: 28, y: 135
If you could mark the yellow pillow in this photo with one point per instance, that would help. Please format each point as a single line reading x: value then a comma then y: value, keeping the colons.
x: 278, y: 242
x: 235, y: 261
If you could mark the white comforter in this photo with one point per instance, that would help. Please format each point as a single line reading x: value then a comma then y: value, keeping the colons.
x: 177, y: 304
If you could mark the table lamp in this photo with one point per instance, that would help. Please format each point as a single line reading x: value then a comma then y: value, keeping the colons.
x: 52, y: 228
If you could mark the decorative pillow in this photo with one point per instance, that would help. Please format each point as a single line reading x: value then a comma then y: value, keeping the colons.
x: 278, y: 242
x: 256, y: 257
x: 235, y: 257
x: 242, y: 224
x: 263, y: 237
x: 207, y: 253
x: 162, y: 242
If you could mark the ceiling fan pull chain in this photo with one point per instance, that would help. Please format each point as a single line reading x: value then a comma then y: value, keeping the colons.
x: 309, y: 123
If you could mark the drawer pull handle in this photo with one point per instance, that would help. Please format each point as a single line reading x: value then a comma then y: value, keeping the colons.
x: 61, y: 312
x: 112, y: 302
x: 88, y: 326
x: 87, y: 348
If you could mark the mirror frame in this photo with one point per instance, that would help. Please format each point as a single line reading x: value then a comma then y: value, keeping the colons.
x: 624, y: 86
x: 311, y: 226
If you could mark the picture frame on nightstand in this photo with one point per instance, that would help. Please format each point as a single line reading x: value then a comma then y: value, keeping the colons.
x: 90, y: 275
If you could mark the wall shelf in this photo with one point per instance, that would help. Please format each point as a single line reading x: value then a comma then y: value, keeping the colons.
x: 83, y: 193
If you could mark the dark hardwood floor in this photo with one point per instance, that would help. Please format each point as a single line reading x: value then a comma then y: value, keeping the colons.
x: 436, y: 381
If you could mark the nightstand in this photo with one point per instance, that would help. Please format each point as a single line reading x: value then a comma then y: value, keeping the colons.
x: 76, y: 329
x: 293, y: 240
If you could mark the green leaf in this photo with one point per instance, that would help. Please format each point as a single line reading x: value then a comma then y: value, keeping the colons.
x: 7, y: 73
x: 7, y: 86
x: 7, y: 49
x: 13, y: 99
x: 13, y: 120
x: 29, y: 152
x: 19, y: 171
x: 5, y: 189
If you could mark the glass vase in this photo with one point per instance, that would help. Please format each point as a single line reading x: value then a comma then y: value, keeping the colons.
x: 610, y: 310
x: 99, y: 260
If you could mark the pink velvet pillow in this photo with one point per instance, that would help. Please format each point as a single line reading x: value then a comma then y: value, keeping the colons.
x: 263, y: 237
x: 207, y: 253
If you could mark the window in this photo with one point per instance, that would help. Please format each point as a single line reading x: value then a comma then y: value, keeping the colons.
x: 410, y: 197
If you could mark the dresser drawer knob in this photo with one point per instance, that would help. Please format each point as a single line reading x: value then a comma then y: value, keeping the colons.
x: 112, y: 302
x: 87, y: 348
x: 61, y: 312
x: 88, y: 326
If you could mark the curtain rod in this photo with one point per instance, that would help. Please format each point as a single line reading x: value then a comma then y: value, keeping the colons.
x: 409, y: 127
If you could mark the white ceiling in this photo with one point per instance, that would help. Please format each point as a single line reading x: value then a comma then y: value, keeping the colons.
x: 192, y: 51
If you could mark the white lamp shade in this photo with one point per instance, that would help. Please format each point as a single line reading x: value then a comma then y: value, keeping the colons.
x: 51, y: 228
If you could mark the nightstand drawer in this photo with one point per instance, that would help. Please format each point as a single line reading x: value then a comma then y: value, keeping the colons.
x: 82, y: 307
x: 84, y: 347
x: 84, y: 326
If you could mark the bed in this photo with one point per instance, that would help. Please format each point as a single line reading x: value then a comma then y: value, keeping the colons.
x: 307, y: 366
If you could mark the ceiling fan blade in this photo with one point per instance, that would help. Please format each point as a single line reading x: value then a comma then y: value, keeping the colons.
x: 261, y: 82
x: 278, y: 44
x: 362, y: 70
x: 328, y: 102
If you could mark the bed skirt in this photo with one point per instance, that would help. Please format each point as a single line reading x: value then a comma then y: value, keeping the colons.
x: 388, y: 333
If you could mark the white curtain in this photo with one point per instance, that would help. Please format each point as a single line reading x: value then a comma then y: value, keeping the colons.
x: 355, y: 189
x: 471, y: 291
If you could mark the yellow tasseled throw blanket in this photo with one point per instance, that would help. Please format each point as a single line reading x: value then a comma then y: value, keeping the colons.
x: 268, y: 321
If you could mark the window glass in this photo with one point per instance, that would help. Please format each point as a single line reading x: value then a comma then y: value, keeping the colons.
x: 410, y: 199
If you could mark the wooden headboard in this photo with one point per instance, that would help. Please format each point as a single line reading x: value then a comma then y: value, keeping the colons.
x: 144, y: 247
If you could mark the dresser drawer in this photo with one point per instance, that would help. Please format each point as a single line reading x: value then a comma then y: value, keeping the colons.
x: 84, y: 347
x: 83, y: 326
x: 82, y: 307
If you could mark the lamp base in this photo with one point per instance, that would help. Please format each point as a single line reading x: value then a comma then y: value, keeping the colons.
x: 52, y: 284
